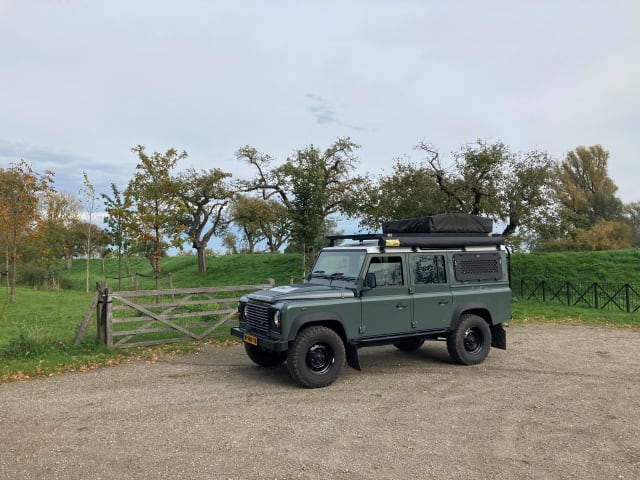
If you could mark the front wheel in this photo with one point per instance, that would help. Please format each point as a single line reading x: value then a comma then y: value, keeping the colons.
x: 469, y: 342
x: 264, y: 358
x: 316, y: 357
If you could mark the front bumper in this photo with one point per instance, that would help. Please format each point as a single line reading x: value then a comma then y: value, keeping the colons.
x: 263, y: 342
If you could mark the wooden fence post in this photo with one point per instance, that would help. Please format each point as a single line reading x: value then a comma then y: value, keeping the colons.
x: 109, y: 318
x: 101, y: 313
x: 170, y: 275
x: 82, y: 330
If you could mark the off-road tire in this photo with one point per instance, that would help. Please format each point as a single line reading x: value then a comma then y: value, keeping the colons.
x: 264, y: 358
x: 409, y: 345
x: 316, y: 357
x: 470, y: 340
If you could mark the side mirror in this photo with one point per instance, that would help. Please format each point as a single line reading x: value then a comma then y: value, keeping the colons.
x: 370, y: 280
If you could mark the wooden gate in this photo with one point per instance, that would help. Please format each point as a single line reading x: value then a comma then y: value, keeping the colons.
x: 153, y: 317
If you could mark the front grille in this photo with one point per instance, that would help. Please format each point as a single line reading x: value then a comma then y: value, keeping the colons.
x: 257, y: 316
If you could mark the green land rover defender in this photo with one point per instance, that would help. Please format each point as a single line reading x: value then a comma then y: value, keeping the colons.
x: 439, y: 277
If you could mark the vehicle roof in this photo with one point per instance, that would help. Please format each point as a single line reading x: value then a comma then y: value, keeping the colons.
x: 373, y: 247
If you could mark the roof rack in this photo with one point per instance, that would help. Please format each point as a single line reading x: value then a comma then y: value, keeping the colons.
x: 424, y: 240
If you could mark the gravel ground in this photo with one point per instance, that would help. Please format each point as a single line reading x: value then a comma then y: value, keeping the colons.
x: 562, y: 402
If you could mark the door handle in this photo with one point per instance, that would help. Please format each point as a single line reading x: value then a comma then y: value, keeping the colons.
x: 443, y: 302
x: 401, y: 307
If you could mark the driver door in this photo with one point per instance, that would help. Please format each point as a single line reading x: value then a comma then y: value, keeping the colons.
x: 386, y: 309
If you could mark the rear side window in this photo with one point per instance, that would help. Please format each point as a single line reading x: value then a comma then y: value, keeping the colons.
x: 470, y: 267
x: 428, y: 269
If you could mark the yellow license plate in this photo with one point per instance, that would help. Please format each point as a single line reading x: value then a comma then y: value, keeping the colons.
x: 250, y: 339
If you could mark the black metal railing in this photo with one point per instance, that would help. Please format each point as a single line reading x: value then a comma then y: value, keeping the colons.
x: 605, y: 296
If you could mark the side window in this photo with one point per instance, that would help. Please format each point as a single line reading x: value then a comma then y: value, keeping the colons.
x: 429, y: 269
x: 388, y: 271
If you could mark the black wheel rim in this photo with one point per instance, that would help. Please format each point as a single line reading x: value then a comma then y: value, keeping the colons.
x: 473, y: 340
x: 320, y: 358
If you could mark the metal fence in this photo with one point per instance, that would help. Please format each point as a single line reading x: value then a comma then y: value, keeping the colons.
x: 605, y: 296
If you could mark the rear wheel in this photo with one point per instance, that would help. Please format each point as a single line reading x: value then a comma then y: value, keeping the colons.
x: 316, y: 357
x: 409, y: 345
x: 470, y: 340
x: 264, y: 358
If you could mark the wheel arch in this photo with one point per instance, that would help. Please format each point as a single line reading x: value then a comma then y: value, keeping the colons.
x: 326, y: 319
x: 478, y: 309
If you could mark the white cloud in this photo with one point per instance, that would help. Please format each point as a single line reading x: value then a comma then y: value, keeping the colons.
x: 83, y: 82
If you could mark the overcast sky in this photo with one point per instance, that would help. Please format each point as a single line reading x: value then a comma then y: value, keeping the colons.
x: 81, y: 81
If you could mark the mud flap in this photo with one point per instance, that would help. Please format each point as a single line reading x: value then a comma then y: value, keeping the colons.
x: 352, y: 357
x: 498, y: 337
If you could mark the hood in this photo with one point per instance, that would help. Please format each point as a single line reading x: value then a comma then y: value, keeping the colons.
x: 301, y: 291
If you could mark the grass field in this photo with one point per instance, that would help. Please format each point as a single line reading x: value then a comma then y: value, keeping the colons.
x: 618, y: 266
x: 37, y: 332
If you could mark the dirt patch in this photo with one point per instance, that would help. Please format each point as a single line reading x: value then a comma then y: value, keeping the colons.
x: 562, y: 402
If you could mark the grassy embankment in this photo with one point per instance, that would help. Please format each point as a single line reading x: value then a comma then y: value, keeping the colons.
x: 37, y: 332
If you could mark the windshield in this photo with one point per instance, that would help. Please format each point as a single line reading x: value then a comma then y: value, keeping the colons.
x: 336, y: 265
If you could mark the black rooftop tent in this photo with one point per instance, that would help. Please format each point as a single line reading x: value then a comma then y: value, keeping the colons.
x: 443, y: 223
x: 447, y: 230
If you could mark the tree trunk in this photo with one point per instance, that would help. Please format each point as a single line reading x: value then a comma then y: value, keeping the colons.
x: 511, y: 227
x: 202, y: 259
x: 87, y: 273
x: 12, y: 288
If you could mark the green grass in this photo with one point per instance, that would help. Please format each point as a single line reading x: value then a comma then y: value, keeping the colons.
x: 222, y: 270
x: 527, y: 311
x: 616, y: 266
x: 37, y: 333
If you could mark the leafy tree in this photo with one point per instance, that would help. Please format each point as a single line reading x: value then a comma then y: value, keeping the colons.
x: 261, y: 220
x: 312, y: 185
x: 585, y: 198
x: 156, y: 221
x: 410, y: 190
x: 307, y: 178
x: 57, y: 233
x: 20, y: 190
x: 245, y: 212
x: 230, y: 242
x: 275, y: 223
x: 88, y: 195
x: 632, y: 213
x: 488, y: 179
x: 119, y: 221
x: 204, y: 197
x: 609, y: 235
x: 584, y: 189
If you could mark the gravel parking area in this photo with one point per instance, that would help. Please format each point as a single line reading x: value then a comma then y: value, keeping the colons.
x: 562, y: 402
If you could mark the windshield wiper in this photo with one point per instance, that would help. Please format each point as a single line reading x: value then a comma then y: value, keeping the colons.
x: 332, y: 277
x: 340, y: 276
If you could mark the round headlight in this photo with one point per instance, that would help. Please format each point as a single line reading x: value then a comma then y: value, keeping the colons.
x: 276, y: 319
